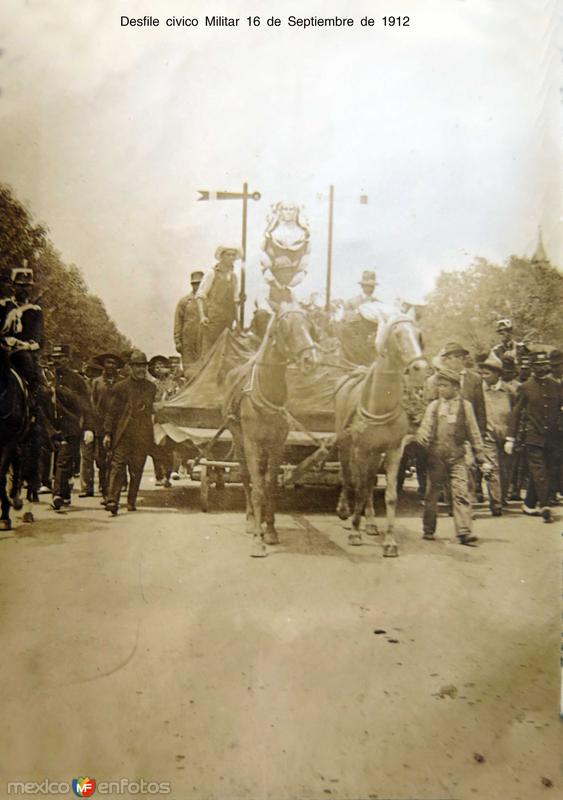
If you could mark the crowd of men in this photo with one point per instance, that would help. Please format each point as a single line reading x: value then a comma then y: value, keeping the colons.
x: 496, y: 416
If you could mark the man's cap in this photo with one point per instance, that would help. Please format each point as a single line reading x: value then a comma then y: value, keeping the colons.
x: 222, y: 247
x: 448, y: 374
x: 508, y: 360
x: 174, y: 361
x: 556, y: 358
x: 368, y: 278
x: 59, y: 350
x: 504, y: 325
x: 22, y: 276
x: 492, y: 362
x: 154, y: 361
x: 138, y: 357
x: 453, y: 347
x: 541, y: 359
x: 196, y: 276
x: 525, y: 360
x: 99, y: 359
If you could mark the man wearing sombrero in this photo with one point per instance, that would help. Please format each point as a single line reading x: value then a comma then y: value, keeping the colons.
x: 368, y: 283
x: 217, y: 297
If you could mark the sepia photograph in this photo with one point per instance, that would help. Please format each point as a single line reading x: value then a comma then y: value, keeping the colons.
x: 281, y: 399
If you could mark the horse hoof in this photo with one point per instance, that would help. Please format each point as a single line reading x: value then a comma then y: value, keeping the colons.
x: 16, y: 503
x: 342, y: 511
x: 371, y: 530
x: 355, y: 539
x: 5, y: 525
x: 390, y: 551
x: 271, y: 537
x: 28, y: 517
x: 259, y: 550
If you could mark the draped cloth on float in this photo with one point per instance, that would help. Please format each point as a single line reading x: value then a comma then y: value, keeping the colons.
x: 195, y: 412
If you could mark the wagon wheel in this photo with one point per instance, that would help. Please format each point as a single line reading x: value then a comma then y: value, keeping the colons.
x: 204, y: 489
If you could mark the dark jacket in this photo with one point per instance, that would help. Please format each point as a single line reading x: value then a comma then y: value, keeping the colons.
x: 131, y: 403
x: 73, y: 410
x: 101, y: 392
x: 541, y: 402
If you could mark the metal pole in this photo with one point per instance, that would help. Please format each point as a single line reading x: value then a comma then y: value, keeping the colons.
x: 242, y: 296
x: 329, y: 249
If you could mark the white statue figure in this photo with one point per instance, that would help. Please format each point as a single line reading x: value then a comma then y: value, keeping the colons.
x: 285, y: 246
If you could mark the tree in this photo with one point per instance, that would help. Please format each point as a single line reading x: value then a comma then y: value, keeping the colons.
x: 72, y: 315
x: 465, y: 305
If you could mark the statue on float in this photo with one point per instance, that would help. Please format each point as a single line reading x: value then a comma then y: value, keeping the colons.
x: 285, y: 249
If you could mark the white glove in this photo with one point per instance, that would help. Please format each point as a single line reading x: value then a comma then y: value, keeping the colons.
x: 509, y: 447
x: 88, y: 437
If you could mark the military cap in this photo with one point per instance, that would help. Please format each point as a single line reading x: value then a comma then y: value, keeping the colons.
x: 540, y: 359
x: 449, y: 375
x: 450, y: 348
x: 196, y: 276
x: 504, y: 325
x: 222, y: 247
x: 99, y: 359
x: 508, y: 360
x: 154, y: 361
x: 59, y: 350
x: 22, y: 276
x: 368, y: 278
x: 492, y: 362
x: 138, y: 357
x: 556, y: 358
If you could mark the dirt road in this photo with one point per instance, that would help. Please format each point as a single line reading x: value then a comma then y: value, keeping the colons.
x: 151, y: 646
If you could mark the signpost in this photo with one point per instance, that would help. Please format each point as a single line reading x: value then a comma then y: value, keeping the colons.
x: 244, y: 196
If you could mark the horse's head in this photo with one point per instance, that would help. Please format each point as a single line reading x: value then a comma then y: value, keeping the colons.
x: 295, y: 339
x: 398, y: 339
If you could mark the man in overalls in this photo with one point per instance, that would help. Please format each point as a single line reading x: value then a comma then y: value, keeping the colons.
x: 217, y: 297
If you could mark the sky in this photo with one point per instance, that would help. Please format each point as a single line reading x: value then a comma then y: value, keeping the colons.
x: 450, y: 126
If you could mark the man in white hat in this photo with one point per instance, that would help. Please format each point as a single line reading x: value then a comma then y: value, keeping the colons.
x: 217, y: 297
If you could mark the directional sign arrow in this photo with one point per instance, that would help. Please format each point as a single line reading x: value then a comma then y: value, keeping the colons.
x: 206, y: 195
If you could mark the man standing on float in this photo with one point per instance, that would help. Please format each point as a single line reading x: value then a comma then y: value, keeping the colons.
x: 217, y: 297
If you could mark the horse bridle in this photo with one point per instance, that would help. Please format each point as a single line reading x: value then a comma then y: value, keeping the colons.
x: 388, y: 329
x: 293, y: 357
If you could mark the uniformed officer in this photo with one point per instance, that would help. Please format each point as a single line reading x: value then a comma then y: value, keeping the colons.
x: 507, y: 343
x: 217, y: 297
x: 72, y: 414
x: 25, y: 324
x: 368, y: 282
x: 128, y: 431
x: 187, y: 329
x: 540, y: 398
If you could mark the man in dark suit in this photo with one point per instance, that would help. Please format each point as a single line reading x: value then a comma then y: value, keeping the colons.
x: 73, y: 415
x: 540, y: 398
x: 128, y: 431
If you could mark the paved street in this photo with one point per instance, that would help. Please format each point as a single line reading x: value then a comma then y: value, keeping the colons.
x: 152, y: 646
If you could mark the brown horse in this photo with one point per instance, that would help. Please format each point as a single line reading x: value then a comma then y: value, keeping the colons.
x: 255, y: 414
x: 371, y: 422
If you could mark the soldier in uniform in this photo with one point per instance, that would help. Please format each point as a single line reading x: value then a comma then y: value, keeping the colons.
x: 187, y: 330
x: 540, y: 398
x: 368, y: 283
x: 128, y: 431
x: 507, y: 343
x: 217, y: 297
x: 73, y: 414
